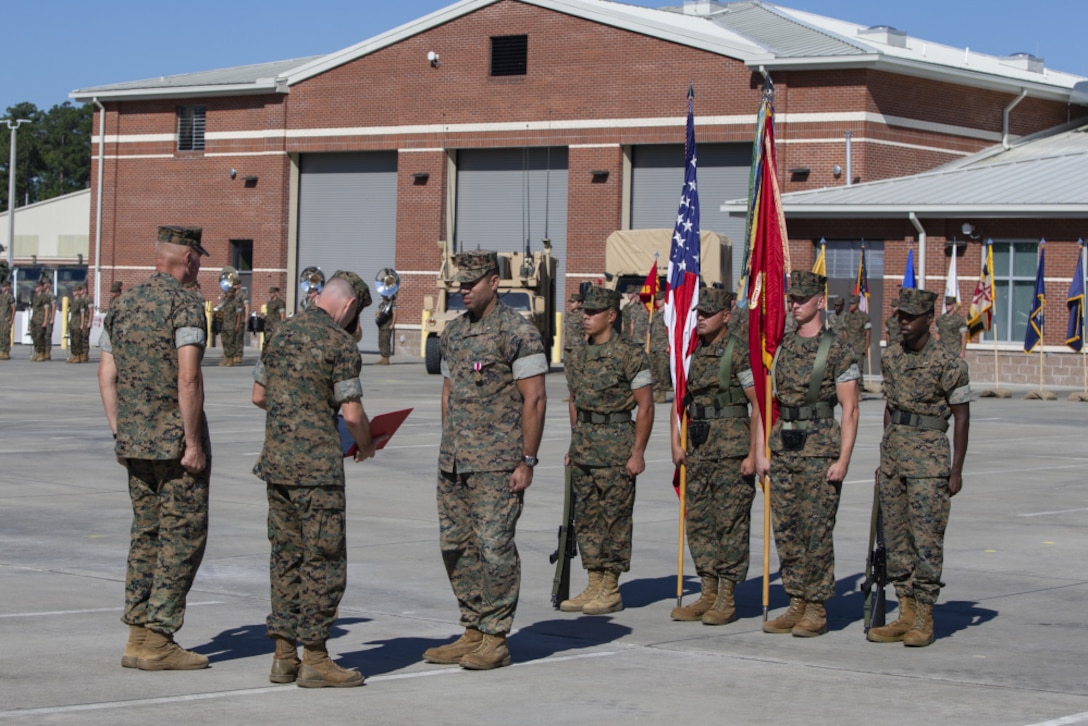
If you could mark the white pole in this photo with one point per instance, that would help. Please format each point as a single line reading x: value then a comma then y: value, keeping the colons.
x: 13, y: 125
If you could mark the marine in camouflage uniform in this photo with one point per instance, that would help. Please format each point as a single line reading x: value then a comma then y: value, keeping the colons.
x: 273, y: 313
x: 952, y: 328
x: 720, y: 460
x: 836, y: 317
x: 75, y: 325
x: 307, y: 375
x: 88, y: 321
x: 925, y: 384
x: 810, y: 456
x: 152, y: 343
x: 659, y: 352
x: 891, y: 325
x: 493, y: 404
x: 857, y: 329
x: 387, y: 309
x: 607, y: 378
x: 7, y: 313
x: 234, y: 326
x: 636, y: 320
x: 574, y: 332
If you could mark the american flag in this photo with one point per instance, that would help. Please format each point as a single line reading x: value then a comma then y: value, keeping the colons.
x: 682, y: 294
x: 861, y: 285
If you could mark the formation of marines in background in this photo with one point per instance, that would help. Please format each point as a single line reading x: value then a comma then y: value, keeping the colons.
x: 493, y: 405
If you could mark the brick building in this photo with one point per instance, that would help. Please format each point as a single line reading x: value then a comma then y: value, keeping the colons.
x: 499, y: 122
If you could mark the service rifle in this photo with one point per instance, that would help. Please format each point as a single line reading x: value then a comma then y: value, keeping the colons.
x: 567, y: 548
x: 876, y: 567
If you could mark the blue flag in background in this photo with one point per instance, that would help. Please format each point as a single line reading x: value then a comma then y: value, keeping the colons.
x: 908, y: 277
x: 1038, y: 302
x: 1074, y: 334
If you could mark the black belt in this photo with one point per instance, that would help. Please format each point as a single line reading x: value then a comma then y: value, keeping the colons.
x: 592, y: 417
x: 918, y: 421
x: 697, y: 412
x: 823, y: 409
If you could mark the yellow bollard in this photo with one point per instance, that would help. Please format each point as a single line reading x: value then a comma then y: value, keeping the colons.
x: 557, y: 341
x: 423, y: 334
x: 63, y: 324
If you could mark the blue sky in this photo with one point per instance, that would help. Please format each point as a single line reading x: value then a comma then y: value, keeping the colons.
x: 51, y: 47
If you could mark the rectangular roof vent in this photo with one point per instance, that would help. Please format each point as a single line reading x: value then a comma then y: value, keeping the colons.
x: 1025, y: 62
x: 885, y: 34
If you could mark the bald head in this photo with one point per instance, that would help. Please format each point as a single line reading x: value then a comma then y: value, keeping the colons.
x: 337, y: 298
x: 178, y: 261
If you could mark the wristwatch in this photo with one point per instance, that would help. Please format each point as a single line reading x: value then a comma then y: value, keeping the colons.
x: 530, y: 460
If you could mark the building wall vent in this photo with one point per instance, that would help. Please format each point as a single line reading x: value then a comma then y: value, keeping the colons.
x: 509, y: 55
x: 1025, y: 62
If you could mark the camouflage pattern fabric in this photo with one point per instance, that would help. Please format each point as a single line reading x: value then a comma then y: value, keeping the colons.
x: 891, y: 325
x: 636, y: 321
x: 274, y: 309
x: 310, y: 368
x: 718, y: 498
x: 75, y: 324
x: 854, y: 325
x: 738, y: 322
x: 385, y: 334
x: 483, y: 360
x: 169, y: 533
x: 308, y: 564
x: 574, y: 332
x: 48, y: 300
x: 7, y: 317
x: 602, y: 379
x: 951, y: 327
x: 659, y: 353
x: 835, y: 322
x: 803, y: 503
x: 143, y: 330
x: 477, y: 517
x: 234, y: 330
x: 915, y: 465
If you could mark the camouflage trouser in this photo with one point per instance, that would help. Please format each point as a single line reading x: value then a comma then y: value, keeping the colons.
x: 85, y: 336
x: 75, y: 340
x: 719, y: 517
x: 604, y: 502
x: 5, y: 336
x: 308, y: 565
x: 915, y: 512
x: 477, y: 519
x: 35, y: 330
x: 659, y: 369
x: 169, y: 531
x: 232, y: 343
x: 385, y: 342
x: 47, y: 337
x: 803, y: 509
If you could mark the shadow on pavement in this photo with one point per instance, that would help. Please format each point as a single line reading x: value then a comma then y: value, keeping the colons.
x: 250, y: 640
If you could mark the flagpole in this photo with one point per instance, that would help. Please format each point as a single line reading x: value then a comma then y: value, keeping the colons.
x: 765, y: 484
x: 1083, y: 317
x: 683, y: 512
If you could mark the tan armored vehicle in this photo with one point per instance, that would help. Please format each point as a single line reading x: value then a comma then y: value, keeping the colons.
x: 629, y: 255
x: 526, y: 284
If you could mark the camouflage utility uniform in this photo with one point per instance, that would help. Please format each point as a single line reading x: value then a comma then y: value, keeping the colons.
x: 77, y: 307
x: 891, y: 325
x: 636, y: 323
x: 950, y: 328
x: 309, y: 369
x: 804, y: 503
x: 854, y: 325
x: 273, y: 316
x: 718, y: 497
x: 659, y: 356
x: 482, y: 361
x: 7, y: 318
x: 602, y: 379
x: 143, y: 331
x: 915, y: 463
x: 234, y: 325
x: 385, y: 330
x: 574, y: 332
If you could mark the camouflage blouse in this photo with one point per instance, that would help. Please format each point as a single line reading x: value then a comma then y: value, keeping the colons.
x: 143, y: 331
x: 602, y: 380
x: 951, y: 327
x: 310, y: 367
x: 483, y: 360
x: 729, y: 437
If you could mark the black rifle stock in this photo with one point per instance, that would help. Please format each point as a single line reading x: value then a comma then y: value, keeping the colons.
x: 567, y: 549
x: 876, y: 568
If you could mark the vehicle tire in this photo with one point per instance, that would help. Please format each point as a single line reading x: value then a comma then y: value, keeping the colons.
x: 433, y: 357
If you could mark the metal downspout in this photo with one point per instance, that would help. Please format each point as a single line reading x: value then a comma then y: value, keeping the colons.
x: 1005, y: 119
x: 98, y: 206
x: 921, y: 250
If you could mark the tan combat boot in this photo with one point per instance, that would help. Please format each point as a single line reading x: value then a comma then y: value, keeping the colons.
x: 608, y: 600
x: 693, y: 612
x: 160, y: 653
x: 137, y: 634
x: 451, y: 653
x: 894, y: 632
x: 921, y: 634
x: 814, y: 623
x: 318, y: 670
x: 725, y: 609
x: 490, y: 653
x: 384, y: 361
x: 784, y: 623
x: 285, y: 662
x: 4, y: 355
x: 576, y: 603
x: 224, y: 361
x: 34, y: 357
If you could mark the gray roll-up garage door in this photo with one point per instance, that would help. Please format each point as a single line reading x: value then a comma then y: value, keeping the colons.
x: 657, y: 177
x: 347, y: 216
x: 505, y: 196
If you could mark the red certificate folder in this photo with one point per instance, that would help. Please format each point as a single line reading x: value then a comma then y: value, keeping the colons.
x: 382, y: 428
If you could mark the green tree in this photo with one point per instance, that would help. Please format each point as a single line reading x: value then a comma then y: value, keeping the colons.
x: 53, y: 152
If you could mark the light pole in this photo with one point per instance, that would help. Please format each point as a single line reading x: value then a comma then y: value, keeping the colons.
x: 13, y: 124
